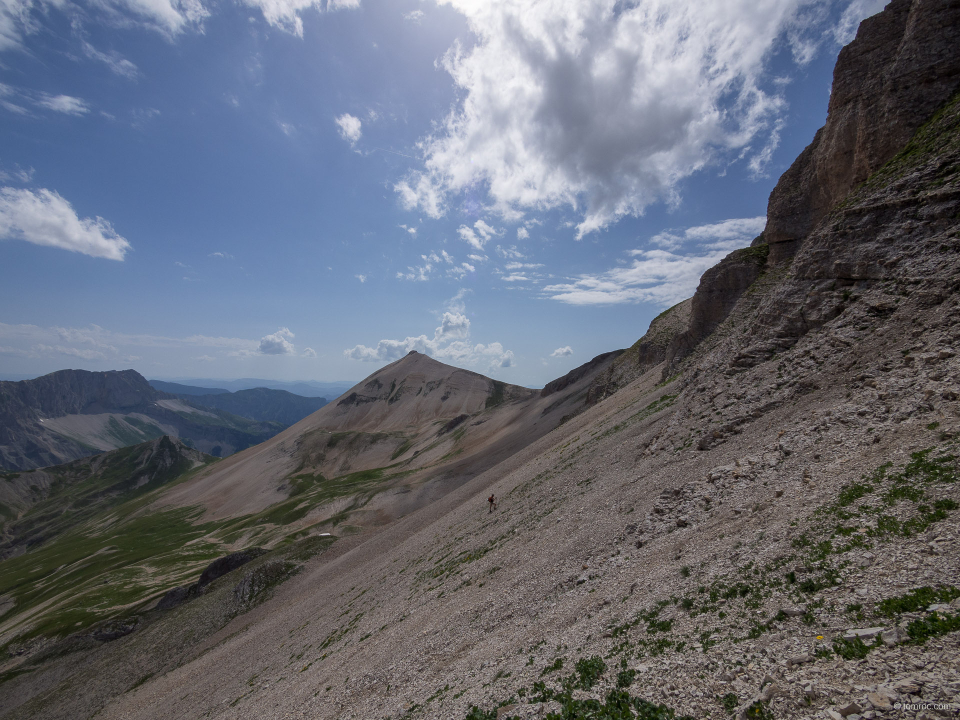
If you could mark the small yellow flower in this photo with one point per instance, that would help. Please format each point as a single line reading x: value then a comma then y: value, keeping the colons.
x: 819, y: 637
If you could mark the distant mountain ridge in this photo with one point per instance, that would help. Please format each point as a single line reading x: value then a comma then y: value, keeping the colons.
x: 178, y: 389
x: 311, y: 388
x: 70, y: 414
x: 261, y: 404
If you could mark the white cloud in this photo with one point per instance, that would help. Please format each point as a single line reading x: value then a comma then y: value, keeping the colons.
x: 168, y: 17
x: 411, y: 230
x: 728, y: 234
x: 414, y: 16
x: 278, y: 343
x: 846, y: 29
x: 285, y: 14
x: 361, y: 278
x: 113, y: 60
x: 221, y: 255
x: 309, y: 353
x: 522, y: 233
x: 510, y: 253
x: 663, y: 276
x: 479, y: 235
x: 206, y: 358
x: 450, y: 343
x: 349, y: 128
x: 565, y: 351
x: 18, y: 174
x: 602, y: 106
x: 65, y: 104
x: 43, y: 217
x: 418, y: 273
x: 515, y: 277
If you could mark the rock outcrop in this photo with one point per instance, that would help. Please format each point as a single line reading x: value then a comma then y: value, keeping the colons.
x: 902, y: 66
x: 718, y: 292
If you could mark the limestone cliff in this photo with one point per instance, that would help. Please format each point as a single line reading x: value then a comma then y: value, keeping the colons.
x: 902, y: 66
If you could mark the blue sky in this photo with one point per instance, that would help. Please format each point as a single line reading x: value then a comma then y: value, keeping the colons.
x: 308, y: 190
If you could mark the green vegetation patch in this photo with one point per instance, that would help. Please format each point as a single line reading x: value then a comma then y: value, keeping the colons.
x: 617, y: 704
x: 917, y: 600
x: 496, y: 395
x: 88, y: 574
x: 934, y: 625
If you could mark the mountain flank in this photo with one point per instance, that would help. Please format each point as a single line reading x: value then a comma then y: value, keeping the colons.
x: 754, y: 512
x: 395, y: 442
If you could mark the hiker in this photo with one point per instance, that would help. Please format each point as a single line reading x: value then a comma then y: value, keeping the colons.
x: 493, y: 502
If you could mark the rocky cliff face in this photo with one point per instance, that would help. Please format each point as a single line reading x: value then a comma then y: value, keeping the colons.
x: 69, y: 392
x: 902, y: 66
x: 718, y: 292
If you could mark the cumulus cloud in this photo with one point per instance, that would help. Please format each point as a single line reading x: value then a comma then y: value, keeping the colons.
x: 450, y: 343
x: 278, y: 343
x: 479, y: 235
x: 522, y: 233
x: 414, y: 16
x: 664, y: 275
x: 349, y: 127
x: 565, y: 351
x: 43, y: 217
x: 599, y: 105
x: 309, y: 353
